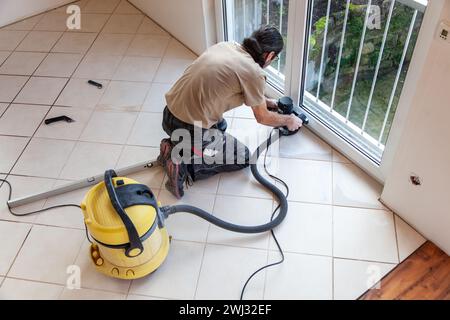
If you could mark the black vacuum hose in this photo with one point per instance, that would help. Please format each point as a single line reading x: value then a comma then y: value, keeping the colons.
x: 168, y: 211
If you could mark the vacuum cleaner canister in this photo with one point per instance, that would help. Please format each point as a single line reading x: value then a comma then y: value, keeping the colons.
x: 129, y: 240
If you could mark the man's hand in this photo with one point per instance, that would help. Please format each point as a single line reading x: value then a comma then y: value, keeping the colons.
x: 294, y: 123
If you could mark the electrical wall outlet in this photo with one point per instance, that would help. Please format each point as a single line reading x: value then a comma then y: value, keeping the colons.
x: 444, y: 31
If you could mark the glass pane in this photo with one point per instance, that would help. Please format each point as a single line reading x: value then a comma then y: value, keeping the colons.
x: 249, y: 15
x: 358, y: 57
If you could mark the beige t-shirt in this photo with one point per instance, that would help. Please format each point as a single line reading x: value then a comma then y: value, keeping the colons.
x: 221, y: 79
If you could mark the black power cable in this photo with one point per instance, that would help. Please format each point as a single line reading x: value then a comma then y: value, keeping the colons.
x: 271, y: 231
x: 38, y: 211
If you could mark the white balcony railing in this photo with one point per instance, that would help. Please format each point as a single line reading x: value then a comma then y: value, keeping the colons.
x: 362, y: 82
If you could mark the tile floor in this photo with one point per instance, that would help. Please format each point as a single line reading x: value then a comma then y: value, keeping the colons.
x: 338, y: 238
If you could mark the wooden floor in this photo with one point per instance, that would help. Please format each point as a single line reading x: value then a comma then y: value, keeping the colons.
x: 423, y: 276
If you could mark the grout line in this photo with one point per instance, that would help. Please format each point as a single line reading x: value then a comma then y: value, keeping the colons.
x: 20, y: 249
x: 396, y: 238
x: 205, y: 244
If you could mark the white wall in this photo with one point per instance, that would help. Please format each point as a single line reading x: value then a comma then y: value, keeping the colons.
x: 15, y: 10
x: 187, y: 20
x: 424, y: 150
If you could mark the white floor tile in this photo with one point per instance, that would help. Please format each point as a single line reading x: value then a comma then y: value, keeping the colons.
x: 183, y: 226
x: 156, y: 100
x: 308, y: 229
x: 151, y: 178
x: 123, y: 23
x: 50, y: 251
x: 126, y: 7
x: 25, y: 25
x: 95, y: 66
x: 147, y: 131
x: 10, y: 87
x: 12, y: 147
x: 22, y: 63
x: 64, y: 130
x: 124, y: 96
x: 90, y: 159
x: 352, y: 187
x: 14, y: 289
x: 364, y: 234
x: 225, y: 270
x: 74, y: 42
x: 177, y: 277
x: 4, y: 55
x: 39, y: 41
x: 242, y: 183
x: 12, y: 236
x: 92, y: 22
x: 250, y: 133
x: 305, y: 145
x: 109, y: 127
x: 132, y: 155
x: 176, y: 50
x: 300, y: 277
x: 150, y: 27
x: 409, y: 240
x: 78, y: 93
x: 111, y: 44
x: 3, y: 107
x: 339, y: 157
x: 309, y: 181
x: 23, y: 186
x: 104, y: 6
x: 243, y: 112
x: 69, y: 217
x: 171, y: 70
x: 52, y: 21
x: 137, y: 69
x: 10, y: 39
x: 22, y: 120
x: 148, y: 45
x: 245, y: 212
x: 59, y: 65
x: 353, y: 278
x: 41, y: 90
x: 92, y: 279
x: 88, y: 294
x: 44, y: 158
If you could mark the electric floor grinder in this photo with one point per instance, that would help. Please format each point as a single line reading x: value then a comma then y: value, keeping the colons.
x: 127, y: 224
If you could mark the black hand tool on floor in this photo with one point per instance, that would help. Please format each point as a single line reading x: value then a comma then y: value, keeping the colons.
x: 58, y: 119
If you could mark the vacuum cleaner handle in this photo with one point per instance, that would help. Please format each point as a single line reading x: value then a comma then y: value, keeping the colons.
x: 135, y: 247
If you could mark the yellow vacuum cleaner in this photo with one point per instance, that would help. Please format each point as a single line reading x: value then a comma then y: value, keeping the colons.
x: 124, y: 220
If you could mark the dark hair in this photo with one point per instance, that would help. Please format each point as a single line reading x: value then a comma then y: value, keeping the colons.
x: 264, y: 40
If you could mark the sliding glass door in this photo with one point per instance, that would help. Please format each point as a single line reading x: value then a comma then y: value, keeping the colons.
x: 245, y: 16
x: 358, y: 57
x: 346, y: 62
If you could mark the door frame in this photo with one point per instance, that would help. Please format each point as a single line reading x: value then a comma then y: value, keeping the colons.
x: 296, y: 52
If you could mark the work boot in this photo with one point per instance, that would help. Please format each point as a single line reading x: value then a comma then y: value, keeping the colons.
x: 177, y: 176
x: 165, y: 152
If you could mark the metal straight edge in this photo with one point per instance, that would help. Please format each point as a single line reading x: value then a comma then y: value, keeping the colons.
x: 361, y: 46
x: 377, y: 69
x: 399, y: 73
x: 14, y: 203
